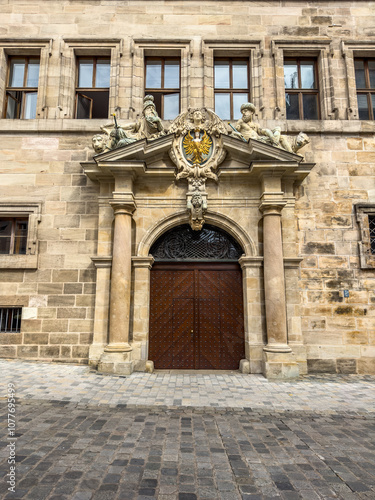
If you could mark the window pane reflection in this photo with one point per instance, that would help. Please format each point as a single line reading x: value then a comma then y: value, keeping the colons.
x: 171, y: 106
x: 30, y: 105
x: 17, y: 72
x: 362, y: 107
x: 371, y: 70
x: 171, y: 75
x: 222, y: 75
x: 307, y: 76
x: 292, y: 109
x: 240, y: 75
x: 291, y: 75
x: 153, y: 74
x: 238, y: 100
x: 32, y: 73
x: 103, y: 69
x: 310, y: 107
x: 85, y: 73
x: 222, y: 106
x: 360, y: 74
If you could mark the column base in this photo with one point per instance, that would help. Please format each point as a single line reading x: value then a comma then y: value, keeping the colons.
x: 116, y: 363
x: 279, y: 365
x: 276, y: 347
x: 118, y: 347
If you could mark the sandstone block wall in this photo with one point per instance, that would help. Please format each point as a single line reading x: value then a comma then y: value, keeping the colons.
x: 40, y: 159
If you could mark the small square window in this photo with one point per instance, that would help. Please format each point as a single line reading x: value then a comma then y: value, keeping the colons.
x: 92, y: 87
x: 13, y: 236
x: 10, y: 319
x: 231, y: 82
x: 163, y: 82
x: 22, y: 87
x: 365, y: 83
x: 301, y: 89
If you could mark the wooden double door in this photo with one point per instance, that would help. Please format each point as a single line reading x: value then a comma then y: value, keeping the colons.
x: 196, y: 316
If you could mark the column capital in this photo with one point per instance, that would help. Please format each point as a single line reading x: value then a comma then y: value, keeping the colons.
x: 143, y: 262
x: 125, y: 206
x: 272, y: 207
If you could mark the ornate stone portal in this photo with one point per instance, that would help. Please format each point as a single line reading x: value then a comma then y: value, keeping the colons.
x: 197, y: 142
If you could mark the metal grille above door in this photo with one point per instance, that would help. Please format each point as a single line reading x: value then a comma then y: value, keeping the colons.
x: 196, y: 316
x: 183, y: 244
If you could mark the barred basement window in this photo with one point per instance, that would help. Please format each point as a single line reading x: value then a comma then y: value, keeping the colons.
x: 371, y: 223
x: 10, y: 319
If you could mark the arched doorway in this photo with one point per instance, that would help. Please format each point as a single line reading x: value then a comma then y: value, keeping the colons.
x: 196, y: 302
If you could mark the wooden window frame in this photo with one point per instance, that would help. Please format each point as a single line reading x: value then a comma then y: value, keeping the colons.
x: 162, y: 91
x: 368, y: 90
x: 80, y: 91
x: 301, y: 91
x: 24, y: 90
x: 14, y: 220
x: 231, y: 90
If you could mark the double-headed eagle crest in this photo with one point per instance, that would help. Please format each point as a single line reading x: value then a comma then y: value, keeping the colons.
x: 197, y: 147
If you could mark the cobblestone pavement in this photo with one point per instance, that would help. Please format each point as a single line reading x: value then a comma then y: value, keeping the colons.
x: 81, y: 436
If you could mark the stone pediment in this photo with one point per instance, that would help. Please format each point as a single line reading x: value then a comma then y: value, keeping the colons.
x: 152, y: 157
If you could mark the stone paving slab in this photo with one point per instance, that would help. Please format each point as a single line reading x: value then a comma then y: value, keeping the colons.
x: 71, y: 451
x: 186, y: 436
x: 74, y: 383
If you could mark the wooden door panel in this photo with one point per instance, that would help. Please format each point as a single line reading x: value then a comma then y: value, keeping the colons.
x: 183, y: 333
x: 205, y: 298
x: 208, y: 335
x: 183, y: 284
x: 209, y: 284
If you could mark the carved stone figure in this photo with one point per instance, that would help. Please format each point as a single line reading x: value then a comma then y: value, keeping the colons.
x: 197, y: 205
x: 246, y: 129
x: 99, y: 143
x: 249, y: 129
x: 148, y: 127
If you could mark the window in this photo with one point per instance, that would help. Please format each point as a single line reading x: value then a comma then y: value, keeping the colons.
x: 13, y: 235
x: 22, y: 87
x: 92, y: 88
x: 163, y: 83
x: 10, y: 319
x: 365, y: 82
x: 371, y: 223
x: 301, y: 89
x: 231, y: 82
x: 365, y: 214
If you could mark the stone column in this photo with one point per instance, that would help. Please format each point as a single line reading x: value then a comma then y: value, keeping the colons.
x: 278, y: 359
x: 119, y: 315
x: 274, y: 282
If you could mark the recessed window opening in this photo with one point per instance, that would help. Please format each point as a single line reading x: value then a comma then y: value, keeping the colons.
x: 365, y: 82
x: 371, y: 223
x: 22, y: 87
x: 13, y: 235
x: 232, y: 83
x: 301, y: 89
x: 92, y: 87
x: 163, y: 82
x: 10, y: 319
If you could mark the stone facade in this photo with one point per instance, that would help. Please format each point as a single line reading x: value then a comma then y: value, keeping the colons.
x: 47, y: 173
